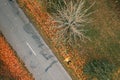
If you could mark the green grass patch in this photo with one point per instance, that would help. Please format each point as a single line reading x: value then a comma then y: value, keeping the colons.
x: 92, y: 33
x: 100, y: 69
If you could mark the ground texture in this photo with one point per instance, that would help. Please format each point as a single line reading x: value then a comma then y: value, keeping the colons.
x: 11, y: 67
x: 104, y: 32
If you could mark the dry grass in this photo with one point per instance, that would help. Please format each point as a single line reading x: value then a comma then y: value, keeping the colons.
x: 105, y: 33
x: 106, y: 26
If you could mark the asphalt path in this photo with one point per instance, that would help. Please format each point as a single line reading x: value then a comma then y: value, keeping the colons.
x: 28, y: 44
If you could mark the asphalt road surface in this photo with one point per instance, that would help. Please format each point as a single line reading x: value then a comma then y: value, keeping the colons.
x: 28, y: 44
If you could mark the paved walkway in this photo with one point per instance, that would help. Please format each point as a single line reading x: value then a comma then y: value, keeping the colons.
x: 28, y: 44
